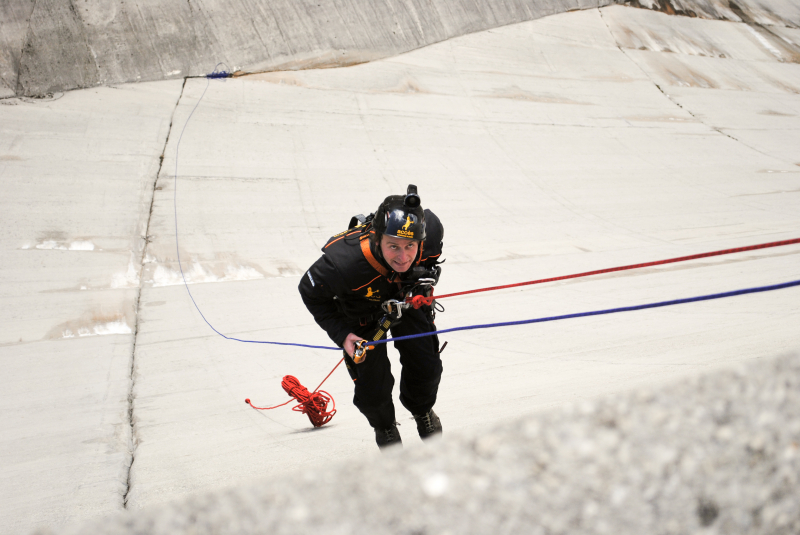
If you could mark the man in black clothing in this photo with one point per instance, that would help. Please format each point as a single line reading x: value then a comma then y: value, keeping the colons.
x: 349, y: 291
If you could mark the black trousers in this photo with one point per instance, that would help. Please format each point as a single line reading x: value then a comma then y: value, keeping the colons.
x: 419, y: 379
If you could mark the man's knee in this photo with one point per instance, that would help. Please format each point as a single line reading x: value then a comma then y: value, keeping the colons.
x: 373, y: 395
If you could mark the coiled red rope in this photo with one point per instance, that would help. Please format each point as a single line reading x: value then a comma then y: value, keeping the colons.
x: 312, y: 404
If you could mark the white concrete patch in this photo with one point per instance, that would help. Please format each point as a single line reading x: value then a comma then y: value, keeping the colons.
x: 81, y: 246
x: 54, y: 245
x: 195, y: 273
x: 769, y: 46
x: 112, y: 327
x: 127, y: 279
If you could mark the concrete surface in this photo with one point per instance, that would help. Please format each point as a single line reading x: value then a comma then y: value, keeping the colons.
x: 54, y: 45
x: 574, y: 142
x: 714, y: 454
x: 77, y: 177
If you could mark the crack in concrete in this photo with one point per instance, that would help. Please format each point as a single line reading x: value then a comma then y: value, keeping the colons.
x: 675, y: 102
x: 146, y: 238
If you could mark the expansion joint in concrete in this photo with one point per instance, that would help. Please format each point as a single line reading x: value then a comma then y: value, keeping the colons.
x: 146, y: 241
x: 672, y: 100
x: 18, y: 87
x: 712, y: 127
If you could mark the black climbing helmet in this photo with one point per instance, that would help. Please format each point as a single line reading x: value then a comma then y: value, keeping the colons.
x: 401, y: 216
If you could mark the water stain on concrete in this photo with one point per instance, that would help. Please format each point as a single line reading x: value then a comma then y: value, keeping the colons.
x: 222, y: 267
x: 516, y: 93
x: 687, y: 77
x: 407, y: 85
x: 660, y: 119
x: 783, y: 86
x: 327, y: 60
x: 288, y: 269
x: 95, y: 323
x: 279, y: 78
x: 776, y: 113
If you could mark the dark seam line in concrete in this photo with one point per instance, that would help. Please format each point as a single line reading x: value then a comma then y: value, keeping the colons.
x: 678, y: 104
x: 715, y: 128
x: 18, y: 87
x: 131, y: 395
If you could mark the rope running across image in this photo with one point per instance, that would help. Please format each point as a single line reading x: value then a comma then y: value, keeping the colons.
x: 314, y: 404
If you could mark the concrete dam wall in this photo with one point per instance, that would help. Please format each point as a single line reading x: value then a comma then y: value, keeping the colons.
x: 55, y: 45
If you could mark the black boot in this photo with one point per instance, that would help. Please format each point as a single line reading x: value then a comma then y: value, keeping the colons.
x: 388, y: 437
x: 428, y: 424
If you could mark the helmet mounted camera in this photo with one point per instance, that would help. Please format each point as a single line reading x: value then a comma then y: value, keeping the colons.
x: 412, y: 199
x: 401, y: 216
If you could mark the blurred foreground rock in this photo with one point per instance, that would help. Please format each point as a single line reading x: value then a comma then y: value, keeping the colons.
x: 718, y: 453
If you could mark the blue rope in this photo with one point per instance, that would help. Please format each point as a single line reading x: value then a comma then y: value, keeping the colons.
x: 209, y: 77
x: 599, y: 312
x: 225, y: 74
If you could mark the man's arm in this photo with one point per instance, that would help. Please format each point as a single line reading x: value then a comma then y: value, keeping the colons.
x: 318, y: 294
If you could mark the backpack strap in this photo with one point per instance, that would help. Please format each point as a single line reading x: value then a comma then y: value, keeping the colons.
x: 367, y: 251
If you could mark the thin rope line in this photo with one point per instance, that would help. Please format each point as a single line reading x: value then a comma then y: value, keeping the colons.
x: 597, y: 312
x: 630, y: 266
x: 177, y: 243
x: 216, y: 74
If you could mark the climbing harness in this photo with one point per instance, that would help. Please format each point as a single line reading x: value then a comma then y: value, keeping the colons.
x: 420, y: 293
x: 419, y: 284
x: 386, y: 322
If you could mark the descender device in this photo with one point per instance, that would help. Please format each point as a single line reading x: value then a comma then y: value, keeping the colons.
x: 418, y: 292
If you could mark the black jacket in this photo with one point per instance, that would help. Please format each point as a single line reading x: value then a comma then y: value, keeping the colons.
x: 346, y: 286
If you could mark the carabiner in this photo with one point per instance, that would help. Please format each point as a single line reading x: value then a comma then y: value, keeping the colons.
x: 360, y: 351
x: 394, y: 308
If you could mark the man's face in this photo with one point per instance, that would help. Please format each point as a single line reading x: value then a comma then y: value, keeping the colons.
x: 399, y: 253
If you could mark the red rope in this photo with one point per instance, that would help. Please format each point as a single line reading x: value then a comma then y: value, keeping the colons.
x: 418, y: 301
x: 313, y: 404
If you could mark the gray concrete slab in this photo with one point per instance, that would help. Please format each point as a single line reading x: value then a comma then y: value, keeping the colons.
x: 77, y: 174
x: 53, y: 45
x: 104, y: 42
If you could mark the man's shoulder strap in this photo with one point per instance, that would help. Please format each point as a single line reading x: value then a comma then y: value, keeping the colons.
x: 367, y: 251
